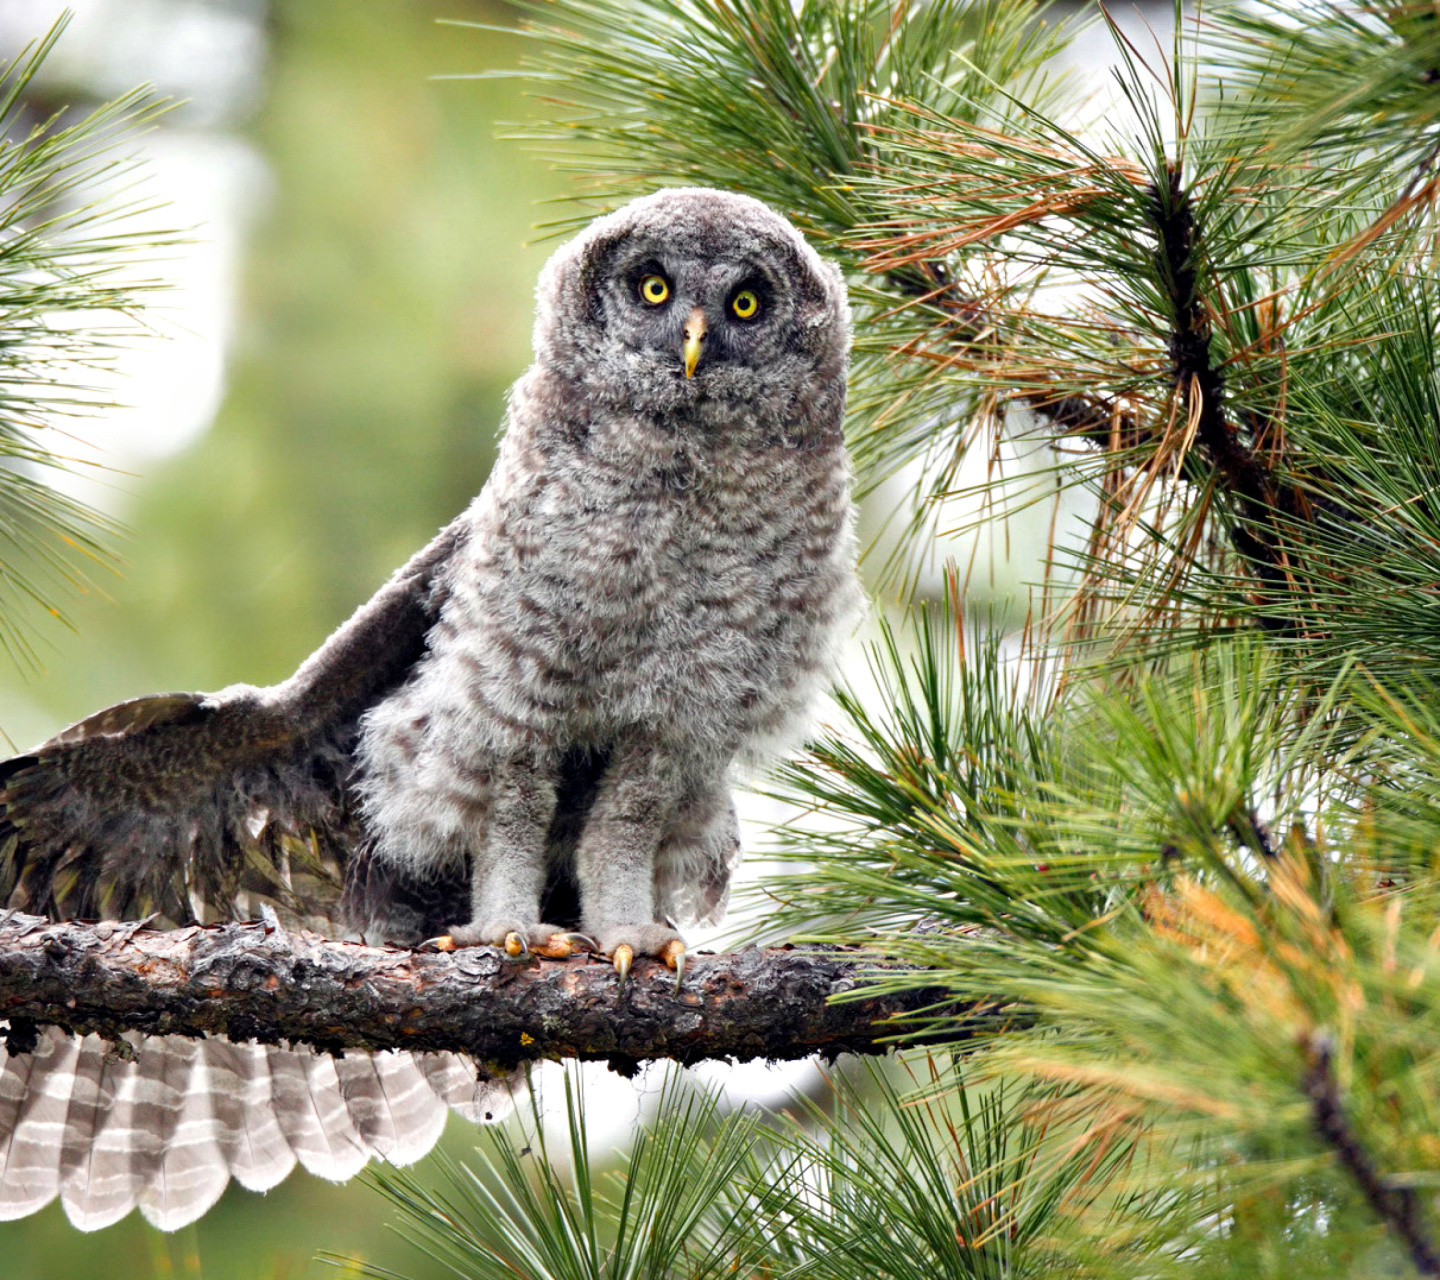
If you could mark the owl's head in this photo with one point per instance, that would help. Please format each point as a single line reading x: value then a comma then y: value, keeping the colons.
x: 693, y: 301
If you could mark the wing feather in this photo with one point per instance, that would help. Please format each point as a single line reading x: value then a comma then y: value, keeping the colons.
x: 191, y: 805
x: 458, y: 1085
x: 92, y: 1094
x: 314, y: 1116
x: 98, y: 1182
x: 30, y: 1159
x: 251, y: 1139
x: 392, y: 1105
x: 192, y: 1173
x: 165, y: 1125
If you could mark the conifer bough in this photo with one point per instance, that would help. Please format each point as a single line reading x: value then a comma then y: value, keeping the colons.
x: 258, y: 982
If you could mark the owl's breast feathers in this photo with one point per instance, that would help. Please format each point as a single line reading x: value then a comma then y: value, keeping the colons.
x: 689, y: 584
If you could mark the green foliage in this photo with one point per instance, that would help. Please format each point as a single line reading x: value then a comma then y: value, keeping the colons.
x: 670, y: 1209
x: 70, y: 299
x: 957, y: 1182
x: 1191, y: 886
x: 1171, y: 851
x: 671, y: 92
x: 967, y: 1183
x: 1312, y: 74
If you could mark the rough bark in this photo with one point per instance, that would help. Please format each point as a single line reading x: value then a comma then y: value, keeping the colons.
x: 254, y: 982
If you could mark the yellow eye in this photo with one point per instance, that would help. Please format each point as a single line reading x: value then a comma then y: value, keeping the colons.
x: 654, y: 290
x: 745, y: 304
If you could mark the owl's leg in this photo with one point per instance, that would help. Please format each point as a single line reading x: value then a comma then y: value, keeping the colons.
x: 508, y: 867
x: 698, y: 852
x: 615, y: 861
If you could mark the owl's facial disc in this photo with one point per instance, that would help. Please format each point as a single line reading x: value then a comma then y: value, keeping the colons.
x: 693, y: 307
x: 701, y: 316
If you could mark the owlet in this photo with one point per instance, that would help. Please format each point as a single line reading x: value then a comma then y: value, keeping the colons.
x: 529, y: 732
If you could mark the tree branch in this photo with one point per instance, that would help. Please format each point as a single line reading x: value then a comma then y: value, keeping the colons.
x: 1397, y: 1207
x: 253, y: 982
x: 1251, y: 483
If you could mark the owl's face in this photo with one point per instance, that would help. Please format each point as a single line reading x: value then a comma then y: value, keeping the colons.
x: 694, y: 303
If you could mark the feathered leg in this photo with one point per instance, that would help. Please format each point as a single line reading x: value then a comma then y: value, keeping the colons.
x: 615, y: 862
x: 698, y: 854
x: 508, y: 865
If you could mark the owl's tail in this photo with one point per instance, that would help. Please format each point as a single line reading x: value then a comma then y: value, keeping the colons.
x: 165, y: 1126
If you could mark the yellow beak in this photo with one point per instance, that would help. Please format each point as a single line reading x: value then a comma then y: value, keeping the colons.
x: 694, y: 336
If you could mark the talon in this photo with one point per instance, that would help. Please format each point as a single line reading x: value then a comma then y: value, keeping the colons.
x: 443, y: 943
x: 515, y: 945
x: 556, y: 947
x: 673, y: 954
x: 623, y: 957
x: 572, y: 938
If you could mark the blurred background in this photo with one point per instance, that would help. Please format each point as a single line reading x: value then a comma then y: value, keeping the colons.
x: 329, y: 368
x: 351, y: 300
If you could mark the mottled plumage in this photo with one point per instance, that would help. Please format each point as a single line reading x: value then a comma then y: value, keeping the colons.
x: 532, y: 727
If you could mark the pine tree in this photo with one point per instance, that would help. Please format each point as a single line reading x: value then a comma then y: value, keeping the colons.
x: 1177, y: 843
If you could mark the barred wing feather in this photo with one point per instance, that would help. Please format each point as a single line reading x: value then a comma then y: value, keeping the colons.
x: 197, y: 806
x: 166, y: 1128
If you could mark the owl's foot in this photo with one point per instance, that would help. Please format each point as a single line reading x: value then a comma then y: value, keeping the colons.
x: 546, y: 940
x: 623, y: 941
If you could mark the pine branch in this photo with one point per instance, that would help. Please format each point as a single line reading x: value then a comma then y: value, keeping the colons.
x: 253, y: 982
x: 1242, y: 474
x: 71, y: 299
x: 1397, y: 1207
x: 1081, y: 415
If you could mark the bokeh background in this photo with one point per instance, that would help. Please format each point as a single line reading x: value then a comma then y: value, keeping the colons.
x: 330, y: 368
x: 322, y: 391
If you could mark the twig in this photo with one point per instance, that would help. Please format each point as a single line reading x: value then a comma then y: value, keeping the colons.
x: 1397, y: 1207
x: 1250, y: 483
x: 1091, y: 418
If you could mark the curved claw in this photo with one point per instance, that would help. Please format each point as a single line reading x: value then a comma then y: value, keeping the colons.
x: 623, y: 957
x: 515, y: 945
x: 560, y: 946
x: 590, y: 943
x: 673, y: 954
x: 443, y: 943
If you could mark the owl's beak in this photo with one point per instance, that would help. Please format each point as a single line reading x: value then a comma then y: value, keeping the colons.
x: 694, y: 336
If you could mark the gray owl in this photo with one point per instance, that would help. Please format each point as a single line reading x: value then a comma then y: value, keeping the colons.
x: 528, y: 733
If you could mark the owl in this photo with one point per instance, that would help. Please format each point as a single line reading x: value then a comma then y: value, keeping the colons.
x: 525, y: 739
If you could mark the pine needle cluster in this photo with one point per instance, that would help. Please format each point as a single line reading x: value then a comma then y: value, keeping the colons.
x: 1176, y: 843
x: 71, y: 299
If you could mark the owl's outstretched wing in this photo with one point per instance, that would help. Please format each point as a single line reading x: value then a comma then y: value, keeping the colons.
x: 198, y: 806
